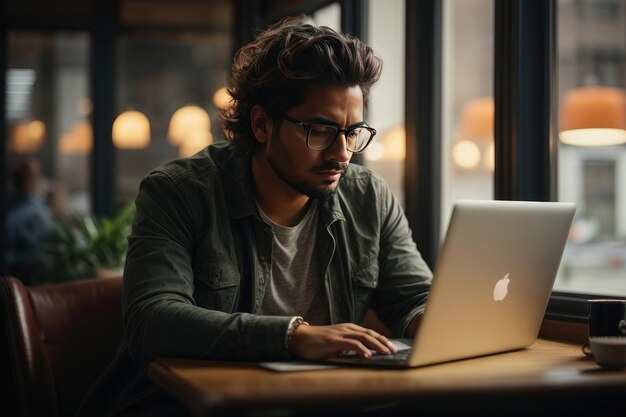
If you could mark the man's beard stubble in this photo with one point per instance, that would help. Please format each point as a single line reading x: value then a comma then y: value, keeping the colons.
x: 278, y: 165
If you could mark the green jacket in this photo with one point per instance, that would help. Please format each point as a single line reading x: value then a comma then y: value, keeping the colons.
x: 199, y: 260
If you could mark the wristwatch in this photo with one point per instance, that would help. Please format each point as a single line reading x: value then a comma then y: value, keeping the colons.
x: 295, y: 322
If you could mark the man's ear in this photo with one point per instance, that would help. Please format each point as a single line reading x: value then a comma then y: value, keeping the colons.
x: 261, y: 123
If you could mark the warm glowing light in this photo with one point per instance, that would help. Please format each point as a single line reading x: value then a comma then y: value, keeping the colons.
x: 594, y: 116
x: 475, y: 134
x: 27, y: 137
x: 466, y: 154
x: 189, y: 123
x: 390, y: 148
x: 477, y: 118
x: 374, y: 152
x: 131, y: 130
x: 37, y: 131
x: 490, y: 157
x: 593, y: 137
x: 221, y: 98
x: 78, y: 140
x: 194, y: 143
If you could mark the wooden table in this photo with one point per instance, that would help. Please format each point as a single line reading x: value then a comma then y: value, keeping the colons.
x: 547, y: 378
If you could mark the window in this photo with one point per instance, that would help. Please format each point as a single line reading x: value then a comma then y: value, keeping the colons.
x: 592, y: 163
x: 47, y: 114
x: 166, y: 86
x: 172, y: 69
x: 386, y: 34
x: 468, y: 109
x: 328, y: 16
x: 91, y: 62
x: 48, y: 143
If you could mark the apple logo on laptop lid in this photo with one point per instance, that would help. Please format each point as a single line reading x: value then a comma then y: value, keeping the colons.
x: 501, y: 289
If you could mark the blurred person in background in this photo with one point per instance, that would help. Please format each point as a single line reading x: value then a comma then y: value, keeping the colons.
x: 29, y: 223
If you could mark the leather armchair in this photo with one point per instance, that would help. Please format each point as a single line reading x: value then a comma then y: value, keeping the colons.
x: 55, y: 341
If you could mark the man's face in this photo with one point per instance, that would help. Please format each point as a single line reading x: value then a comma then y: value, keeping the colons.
x: 315, y: 173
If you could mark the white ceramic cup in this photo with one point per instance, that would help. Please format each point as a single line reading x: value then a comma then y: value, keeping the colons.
x: 609, y: 351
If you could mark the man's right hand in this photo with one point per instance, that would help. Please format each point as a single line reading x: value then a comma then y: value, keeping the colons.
x: 323, y: 342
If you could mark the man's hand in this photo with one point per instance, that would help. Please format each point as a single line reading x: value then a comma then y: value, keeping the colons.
x: 322, y: 342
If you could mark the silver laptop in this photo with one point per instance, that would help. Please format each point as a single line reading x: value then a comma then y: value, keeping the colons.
x: 491, y: 285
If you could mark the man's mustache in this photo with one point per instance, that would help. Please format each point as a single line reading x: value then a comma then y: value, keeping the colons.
x: 332, y: 166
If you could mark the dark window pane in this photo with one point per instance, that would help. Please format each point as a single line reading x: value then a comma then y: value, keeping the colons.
x: 160, y: 74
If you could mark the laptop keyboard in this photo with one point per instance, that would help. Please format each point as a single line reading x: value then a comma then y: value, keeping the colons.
x: 400, y: 356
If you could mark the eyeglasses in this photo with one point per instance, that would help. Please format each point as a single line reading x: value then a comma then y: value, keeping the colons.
x: 319, y: 137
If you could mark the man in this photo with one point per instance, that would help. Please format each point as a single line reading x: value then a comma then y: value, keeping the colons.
x: 29, y: 224
x: 269, y: 246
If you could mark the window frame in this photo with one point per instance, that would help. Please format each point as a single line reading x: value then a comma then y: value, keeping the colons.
x: 3, y: 150
x: 423, y: 115
x: 525, y: 120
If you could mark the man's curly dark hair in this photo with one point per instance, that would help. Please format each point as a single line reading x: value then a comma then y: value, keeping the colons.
x: 275, y: 70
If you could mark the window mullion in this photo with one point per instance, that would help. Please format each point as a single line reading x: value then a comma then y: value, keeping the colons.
x: 524, y: 77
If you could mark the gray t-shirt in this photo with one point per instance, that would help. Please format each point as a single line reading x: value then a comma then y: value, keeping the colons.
x: 296, y: 287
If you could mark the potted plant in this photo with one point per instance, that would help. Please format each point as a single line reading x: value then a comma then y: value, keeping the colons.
x: 88, y: 246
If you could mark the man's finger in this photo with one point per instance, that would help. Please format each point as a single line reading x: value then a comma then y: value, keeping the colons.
x: 369, y: 341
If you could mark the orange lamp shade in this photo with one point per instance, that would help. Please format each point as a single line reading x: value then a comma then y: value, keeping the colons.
x: 27, y: 136
x: 194, y: 142
x: 188, y: 123
x: 390, y: 148
x: 131, y: 130
x: 221, y: 98
x: 477, y: 118
x: 78, y: 140
x: 593, y: 116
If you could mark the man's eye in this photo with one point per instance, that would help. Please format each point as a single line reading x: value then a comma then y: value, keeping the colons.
x: 353, y: 134
x: 321, y: 130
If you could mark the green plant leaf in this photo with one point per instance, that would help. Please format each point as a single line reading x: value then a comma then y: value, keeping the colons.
x: 85, y: 243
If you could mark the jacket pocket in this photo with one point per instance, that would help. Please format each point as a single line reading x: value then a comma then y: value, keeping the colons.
x: 364, y: 281
x: 217, y: 285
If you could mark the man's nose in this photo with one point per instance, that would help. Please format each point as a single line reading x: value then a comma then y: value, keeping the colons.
x: 338, y: 150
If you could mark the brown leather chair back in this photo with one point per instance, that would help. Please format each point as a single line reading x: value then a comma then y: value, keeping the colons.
x: 56, y: 340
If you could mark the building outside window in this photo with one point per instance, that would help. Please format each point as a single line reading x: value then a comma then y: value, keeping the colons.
x: 468, y: 109
x: 385, y: 112
x: 592, y: 146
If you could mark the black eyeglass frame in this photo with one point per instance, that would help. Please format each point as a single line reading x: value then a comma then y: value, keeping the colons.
x: 308, y: 127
